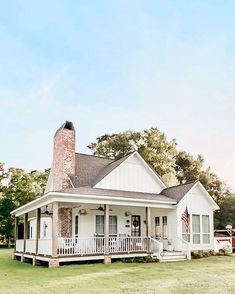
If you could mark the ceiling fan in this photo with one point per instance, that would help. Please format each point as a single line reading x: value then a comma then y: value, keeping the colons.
x: 100, y: 208
x: 47, y: 211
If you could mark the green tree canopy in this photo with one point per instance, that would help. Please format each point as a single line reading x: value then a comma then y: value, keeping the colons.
x: 17, y: 187
x: 226, y: 215
x: 152, y: 145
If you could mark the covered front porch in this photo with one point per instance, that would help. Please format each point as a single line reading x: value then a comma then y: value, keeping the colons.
x: 75, y: 230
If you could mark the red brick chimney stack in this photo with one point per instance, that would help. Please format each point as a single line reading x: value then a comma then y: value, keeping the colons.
x: 63, y: 156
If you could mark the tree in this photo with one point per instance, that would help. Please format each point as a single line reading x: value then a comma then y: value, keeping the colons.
x: 187, y: 168
x: 226, y: 216
x: 152, y: 145
x: 17, y: 187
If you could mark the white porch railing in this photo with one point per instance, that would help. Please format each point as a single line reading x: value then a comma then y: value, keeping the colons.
x: 127, y: 244
x: 30, y: 246
x: 73, y: 246
x: 45, y: 246
x: 185, y: 247
x: 95, y: 245
x: 20, y: 245
x: 157, y: 247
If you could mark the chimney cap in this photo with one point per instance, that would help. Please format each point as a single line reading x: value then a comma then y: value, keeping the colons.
x: 68, y: 125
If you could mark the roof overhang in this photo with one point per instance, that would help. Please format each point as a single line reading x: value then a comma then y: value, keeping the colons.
x: 90, y: 199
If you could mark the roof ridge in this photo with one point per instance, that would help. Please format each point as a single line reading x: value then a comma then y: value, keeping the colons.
x: 187, y: 183
x: 91, y: 155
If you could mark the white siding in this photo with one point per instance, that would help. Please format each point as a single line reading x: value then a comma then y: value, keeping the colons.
x: 87, y: 228
x: 198, y: 203
x: 132, y: 175
x: 45, y: 220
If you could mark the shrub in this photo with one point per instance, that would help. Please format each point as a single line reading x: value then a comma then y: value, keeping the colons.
x: 204, y: 253
x: 144, y: 259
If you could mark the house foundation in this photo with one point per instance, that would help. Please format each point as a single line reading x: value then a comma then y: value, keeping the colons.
x: 107, y: 259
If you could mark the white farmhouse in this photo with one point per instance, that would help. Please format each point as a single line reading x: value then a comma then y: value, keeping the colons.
x: 99, y: 208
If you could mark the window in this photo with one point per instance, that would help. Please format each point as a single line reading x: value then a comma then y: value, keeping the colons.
x: 76, y: 226
x: 196, y: 228
x: 205, y: 229
x: 113, y: 225
x: 31, y: 232
x: 45, y: 226
x: 164, y: 227
x: 100, y: 225
x: 157, y: 227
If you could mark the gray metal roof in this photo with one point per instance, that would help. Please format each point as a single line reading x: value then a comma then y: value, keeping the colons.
x: 179, y: 191
x: 118, y: 193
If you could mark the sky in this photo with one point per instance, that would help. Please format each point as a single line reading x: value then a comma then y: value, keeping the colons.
x: 110, y: 66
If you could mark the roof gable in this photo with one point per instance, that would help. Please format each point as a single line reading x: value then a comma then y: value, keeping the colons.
x: 181, y: 191
x: 131, y: 173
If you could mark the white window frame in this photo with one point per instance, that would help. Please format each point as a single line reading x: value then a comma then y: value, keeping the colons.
x: 206, y: 234
x: 197, y: 234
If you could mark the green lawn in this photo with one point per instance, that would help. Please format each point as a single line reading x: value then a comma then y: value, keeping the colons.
x: 211, y: 275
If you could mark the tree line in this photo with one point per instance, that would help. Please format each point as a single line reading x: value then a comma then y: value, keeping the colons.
x: 17, y: 187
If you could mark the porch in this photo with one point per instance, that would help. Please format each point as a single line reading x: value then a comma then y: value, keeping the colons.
x: 63, y: 231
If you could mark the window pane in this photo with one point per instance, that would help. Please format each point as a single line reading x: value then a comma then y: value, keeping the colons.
x: 99, y: 224
x: 113, y: 225
x: 164, y: 227
x: 186, y: 237
x: 196, y: 238
x: 196, y: 223
x: 205, y: 224
x: 206, y: 238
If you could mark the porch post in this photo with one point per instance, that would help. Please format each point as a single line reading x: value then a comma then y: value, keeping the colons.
x: 148, y: 229
x: 16, y: 230
x: 55, y: 214
x: 107, y: 258
x: 38, y: 226
x: 25, y: 230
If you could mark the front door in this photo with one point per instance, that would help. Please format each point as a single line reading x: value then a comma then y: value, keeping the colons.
x: 135, y: 225
x: 161, y: 227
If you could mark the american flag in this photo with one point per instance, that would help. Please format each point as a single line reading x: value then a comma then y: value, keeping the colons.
x: 186, y: 219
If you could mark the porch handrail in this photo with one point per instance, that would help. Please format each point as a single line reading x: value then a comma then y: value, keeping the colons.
x: 157, y: 247
x: 188, y: 247
x: 95, y: 245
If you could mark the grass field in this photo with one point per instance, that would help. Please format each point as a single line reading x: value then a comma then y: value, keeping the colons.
x: 211, y: 275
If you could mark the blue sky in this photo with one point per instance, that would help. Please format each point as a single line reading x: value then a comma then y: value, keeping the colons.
x: 110, y: 66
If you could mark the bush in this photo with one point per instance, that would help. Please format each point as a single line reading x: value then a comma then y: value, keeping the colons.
x: 204, y: 253
x: 144, y: 259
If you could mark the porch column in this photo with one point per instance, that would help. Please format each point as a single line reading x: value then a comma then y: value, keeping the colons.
x: 25, y: 230
x: 107, y: 258
x: 55, y: 217
x: 16, y: 230
x: 38, y: 227
x: 148, y: 229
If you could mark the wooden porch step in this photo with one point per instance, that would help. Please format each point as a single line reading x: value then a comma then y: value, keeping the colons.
x: 173, y: 256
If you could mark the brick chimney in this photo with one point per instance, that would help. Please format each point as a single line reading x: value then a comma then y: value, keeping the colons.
x: 63, y: 156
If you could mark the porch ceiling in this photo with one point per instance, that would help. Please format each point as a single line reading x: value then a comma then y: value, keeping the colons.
x: 98, y: 198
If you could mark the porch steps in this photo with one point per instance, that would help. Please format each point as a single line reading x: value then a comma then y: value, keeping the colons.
x: 173, y: 256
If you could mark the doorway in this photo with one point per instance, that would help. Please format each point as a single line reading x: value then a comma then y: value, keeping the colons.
x: 135, y: 225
